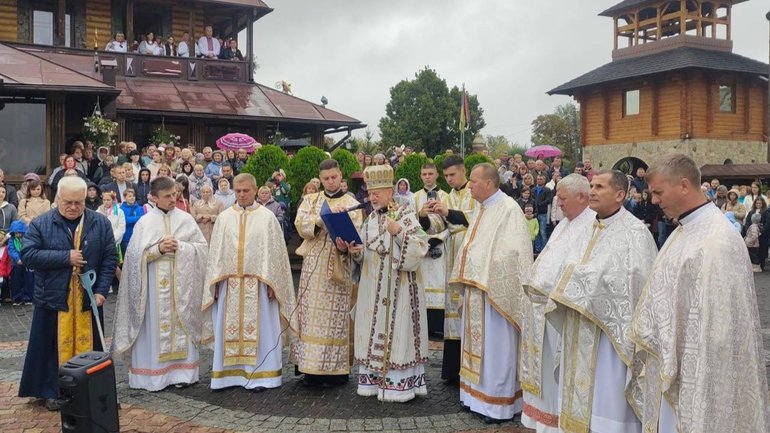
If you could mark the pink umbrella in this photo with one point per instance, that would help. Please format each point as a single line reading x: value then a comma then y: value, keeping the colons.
x: 237, y: 141
x: 544, y: 150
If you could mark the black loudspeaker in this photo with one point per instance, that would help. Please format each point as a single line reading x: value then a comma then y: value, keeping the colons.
x: 87, y: 386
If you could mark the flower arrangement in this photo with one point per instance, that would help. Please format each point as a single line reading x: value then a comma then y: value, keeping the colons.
x: 99, y: 130
x: 162, y: 135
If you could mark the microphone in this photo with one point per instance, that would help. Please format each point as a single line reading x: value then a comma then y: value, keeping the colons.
x: 357, y: 207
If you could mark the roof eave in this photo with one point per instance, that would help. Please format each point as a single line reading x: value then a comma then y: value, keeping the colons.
x: 170, y: 113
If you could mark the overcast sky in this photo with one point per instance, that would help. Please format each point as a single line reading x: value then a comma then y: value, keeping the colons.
x: 508, y: 52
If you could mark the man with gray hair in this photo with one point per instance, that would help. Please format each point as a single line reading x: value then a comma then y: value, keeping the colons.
x: 541, y: 331
x: 699, y: 365
x: 59, y: 246
x: 493, y: 308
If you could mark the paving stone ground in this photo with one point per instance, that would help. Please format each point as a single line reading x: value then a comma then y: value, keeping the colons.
x: 291, y: 408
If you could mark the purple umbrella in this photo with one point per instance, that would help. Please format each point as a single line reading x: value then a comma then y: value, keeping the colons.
x: 237, y: 141
x: 544, y: 150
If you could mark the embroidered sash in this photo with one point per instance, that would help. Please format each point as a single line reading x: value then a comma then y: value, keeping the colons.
x: 75, y: 332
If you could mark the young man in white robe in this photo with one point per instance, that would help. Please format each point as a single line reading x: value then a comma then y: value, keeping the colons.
x: 434, y: 266
x: 541, y: 331
x: 599, y: 292
x: 699, y: 364
x: 325, y: 295
x: 248, y: 300
x: 157, y: 317
x: 493, y: 300
x: 457, y: 212
x: 391, y: 335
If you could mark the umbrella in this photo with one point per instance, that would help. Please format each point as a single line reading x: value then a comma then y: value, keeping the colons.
x: 543, y: 150
x: 237, y: 141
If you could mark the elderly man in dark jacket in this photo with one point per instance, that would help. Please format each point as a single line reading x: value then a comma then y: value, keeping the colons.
x: 59, y: 246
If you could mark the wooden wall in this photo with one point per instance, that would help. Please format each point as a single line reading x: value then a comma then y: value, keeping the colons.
x: 8, y: 20
x: 98, y: 18
x: 672, y: 106
x: 181, y: 20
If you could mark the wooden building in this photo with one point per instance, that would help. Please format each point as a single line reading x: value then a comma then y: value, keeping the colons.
x: 674, y: 85
x: 52, y: 76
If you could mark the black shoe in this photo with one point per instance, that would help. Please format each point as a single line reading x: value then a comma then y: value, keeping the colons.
x: 258, y: 389
x: 465, y: 408
x: 490, y: 420
x: 455, y: 381
x: 54, y: 404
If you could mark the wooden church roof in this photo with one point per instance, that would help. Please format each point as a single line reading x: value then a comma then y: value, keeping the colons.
x: 670, y: 60
x: 635, y: 4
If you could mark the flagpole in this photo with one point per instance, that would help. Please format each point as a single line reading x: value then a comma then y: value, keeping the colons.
x: 462, y: 127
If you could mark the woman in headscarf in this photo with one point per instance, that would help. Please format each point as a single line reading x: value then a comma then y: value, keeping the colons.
x: 403, y: 194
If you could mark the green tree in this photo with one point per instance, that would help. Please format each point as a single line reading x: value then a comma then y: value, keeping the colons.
x: 264, y: 161
x: 437, y: 160
x: 303, y: 167
x: 561, y: 129
x: 410, y: 169
x: 472, y: 160
x: 367, y: 144
x: 423, y: 113
x: 348, y: 162
x: 499, y: 144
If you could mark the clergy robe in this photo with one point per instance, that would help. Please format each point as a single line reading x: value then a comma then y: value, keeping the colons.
x: 247, y: 255
x: 600, y: 292
x: 698, y: 335
x: 459, y: 200
x: 434, y: 270
x: 325, y: 290
x: 157, y: 316
x: 493, y: 306
x: 391, y: 335
x: 542, y: 328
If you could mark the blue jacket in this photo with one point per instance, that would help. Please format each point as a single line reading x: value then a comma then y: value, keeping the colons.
x: 46, y: 250
x: 17, y: 226
x: 132, y: 214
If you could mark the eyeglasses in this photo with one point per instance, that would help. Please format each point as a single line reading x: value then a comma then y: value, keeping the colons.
x: 75, y: 204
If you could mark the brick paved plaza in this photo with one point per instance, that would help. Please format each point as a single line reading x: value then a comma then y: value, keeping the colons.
x: 291, y: 408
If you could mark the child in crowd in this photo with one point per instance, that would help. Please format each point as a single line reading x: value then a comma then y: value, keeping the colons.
x: 34, y: 203
x: 22, y: 279
x: 93, y: 197
x: 752, y: 240
x: 534, y: 227
x: 132, y: 211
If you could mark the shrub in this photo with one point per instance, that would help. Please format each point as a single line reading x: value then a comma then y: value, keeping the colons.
x: 264, y: 161
x: 410, y: 169
x: 303, y: 167
x: 348, y: 162
x: 472, y: 160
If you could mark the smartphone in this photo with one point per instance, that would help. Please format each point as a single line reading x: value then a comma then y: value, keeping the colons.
x: 432, y: 195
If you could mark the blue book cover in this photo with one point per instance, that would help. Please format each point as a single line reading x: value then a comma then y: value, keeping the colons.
x: 339, y: 225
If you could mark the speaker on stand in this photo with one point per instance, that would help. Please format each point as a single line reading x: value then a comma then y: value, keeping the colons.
x: 87, y: 386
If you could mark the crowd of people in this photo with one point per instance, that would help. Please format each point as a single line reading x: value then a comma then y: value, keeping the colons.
x: 578, y: 324
x: 207, y: 46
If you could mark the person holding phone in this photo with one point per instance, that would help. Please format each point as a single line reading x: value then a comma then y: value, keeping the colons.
x: 434, y: 266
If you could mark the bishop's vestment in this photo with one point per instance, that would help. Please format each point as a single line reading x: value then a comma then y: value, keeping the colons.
x: 157, y: 316
x: 325, y: 293
x: 699, y: 364
x: 493, y: 306
x: 600, y: 292
x: 541, y: 330
x: 247, y: 260
x: 391, y: 336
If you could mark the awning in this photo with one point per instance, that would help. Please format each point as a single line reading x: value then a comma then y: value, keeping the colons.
x: 735, y: 171
x: 223, y: 100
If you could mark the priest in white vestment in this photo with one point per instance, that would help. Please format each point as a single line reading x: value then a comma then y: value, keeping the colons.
x: 699, y: 364
x: 248, y: 301
x: 157, y: 317
x: 600, y: 291
x: 490, y: 268
x: 541, y: 331
x: 325, y: 295
x: 391, y: 335
x: 434, y: 266
x: 457, y: 211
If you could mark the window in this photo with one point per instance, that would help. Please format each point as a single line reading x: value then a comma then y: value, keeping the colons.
x: 42, y: 27
x: 68, y: 30
x: 22, y: 138
x: 631, y: 103
x: 726, y: 98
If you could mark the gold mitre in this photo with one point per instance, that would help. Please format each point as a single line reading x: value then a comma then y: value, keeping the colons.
x: 378, y: 176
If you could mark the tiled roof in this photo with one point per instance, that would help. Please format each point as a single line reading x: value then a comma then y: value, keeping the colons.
x: 634, y: 4
x: 735, y: 171
x: 670, y: 60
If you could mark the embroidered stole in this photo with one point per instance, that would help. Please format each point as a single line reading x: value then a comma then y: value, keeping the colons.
x: 75, y: 332
x: 581, y: 346
x: 241, y: 327
x: 472, y: 356
x: 452, y: 316
x: 172, y: 338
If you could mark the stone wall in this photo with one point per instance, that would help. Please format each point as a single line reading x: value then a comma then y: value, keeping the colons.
x: 703, y: 151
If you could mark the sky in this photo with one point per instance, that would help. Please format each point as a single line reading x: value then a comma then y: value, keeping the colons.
x: 508, y: 52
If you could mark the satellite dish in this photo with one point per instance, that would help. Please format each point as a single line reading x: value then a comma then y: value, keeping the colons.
x: 278, y: 85
x: 324, y: 101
